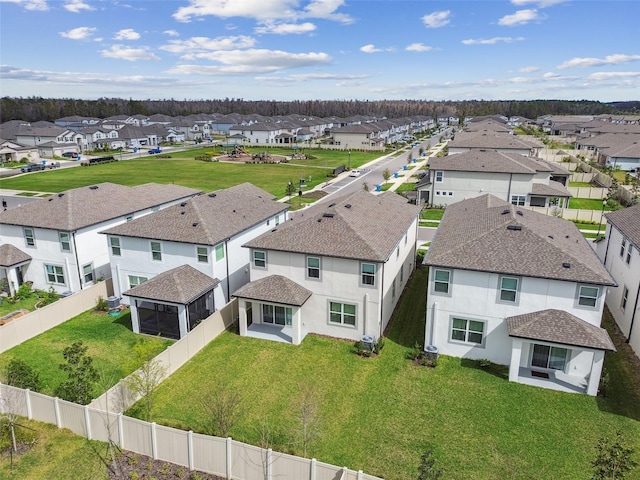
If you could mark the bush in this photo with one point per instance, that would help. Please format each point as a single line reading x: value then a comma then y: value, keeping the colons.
x: 21, y: 375
x: 605, y: 380
x: 48, y: 297
x: 102, y: 305
x: 23, y: 292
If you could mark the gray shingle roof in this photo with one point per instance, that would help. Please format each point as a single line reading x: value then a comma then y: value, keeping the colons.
x: 359, y: 226
x: 481, y: 160
x: 489, y: 235
x: 85, y: 206
x: 489, y: 140
x: 275, y: 289
x: 553, y: 189
x: 558, y: 326
x: 627, y: 221
x: 10, y: 256
x: 181, y: 285
x: 206, y: 219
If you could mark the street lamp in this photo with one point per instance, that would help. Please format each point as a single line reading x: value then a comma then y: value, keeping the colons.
x: 349, y: 159
x: 604, y: 204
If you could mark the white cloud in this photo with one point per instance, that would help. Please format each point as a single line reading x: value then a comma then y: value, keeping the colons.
x: 286, y: 28
x: 609, y: 75
x: 538, y: 3
x: 528, y: 69
x: 122, y: 52
x: 39, y: 5
x: 252, y: 61
x: 437, y: 19
x: 491, y: 41
x: 80, y: 33
x: 615, y: 59
x: 550, y: 76
x: 371, y: 48
x: 76, y: 6
x: 262, y: 11
x: 171, y: 33
x: 418, y: 47
x: 309, y: 76
x: 126, y: 34
x: 195, y: 45
x: 521, y: 17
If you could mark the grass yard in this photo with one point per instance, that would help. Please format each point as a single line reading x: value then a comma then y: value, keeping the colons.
x: 406, y: 187
x: 182, y: 169
x: 587, y: 204
x: 424, y: 223
x: 580, y: 184
x: 110, y: 341
x: 380, y: 414
x: 431, y: 214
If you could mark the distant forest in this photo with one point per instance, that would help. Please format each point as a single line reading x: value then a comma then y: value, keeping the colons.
x: 33, y: 109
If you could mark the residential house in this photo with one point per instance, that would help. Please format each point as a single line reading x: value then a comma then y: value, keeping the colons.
x: 619, y: 250
x: 523, y: 181
x: 205, y: 233
x: 492, y: 140
x: 49, y: 139
x: 336, y: 269
x: 518, y: 288
x: 60, y: 233
x: 11, y: 151
x: 358, y: 137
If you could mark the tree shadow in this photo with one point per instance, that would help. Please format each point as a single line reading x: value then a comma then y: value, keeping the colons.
x: 500, y: 371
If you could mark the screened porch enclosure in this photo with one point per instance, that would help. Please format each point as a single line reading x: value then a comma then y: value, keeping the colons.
x: 158, y: 319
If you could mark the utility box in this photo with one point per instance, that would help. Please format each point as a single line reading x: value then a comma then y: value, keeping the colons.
x: 367, y: 342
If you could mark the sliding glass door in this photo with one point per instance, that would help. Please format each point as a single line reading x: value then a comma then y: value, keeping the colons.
x: 553, y: 358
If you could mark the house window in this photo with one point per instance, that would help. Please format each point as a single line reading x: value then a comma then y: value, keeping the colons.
x: 277, y: 220
x: 29, y: 237
x: 65, y: 241
x: 87, y: 273
x: 219, y: 252
x: 588, y: 296
x: 114, y: 242
x: 277, y: 315
x: 518, y: 200
x: 441, y: 281
x: 156, y: 251
x: 439, y: 175
x: 628, y: 259
x: 259, y: 259
x: 625, y: 296
x: 468, y: 331
x: 135, y: 280
x: 509, y: 289
x: 342, y: 313
x: 393, y: 289
x: 55, y: 274
x: 401, y: 274
x: 313, y: 267
x: 623, y: 247
x: 203, y: 254
x: 553, y: 358
x: 129, y: 218
x: 368, y: 274
x: 406, y: 237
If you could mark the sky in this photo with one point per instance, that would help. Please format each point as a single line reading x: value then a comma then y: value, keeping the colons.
x: 321, y: 49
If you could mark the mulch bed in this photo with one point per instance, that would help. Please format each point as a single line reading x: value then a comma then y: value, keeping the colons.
x: 136, y: 466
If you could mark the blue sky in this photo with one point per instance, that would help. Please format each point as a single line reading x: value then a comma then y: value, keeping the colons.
x: 321, y: 49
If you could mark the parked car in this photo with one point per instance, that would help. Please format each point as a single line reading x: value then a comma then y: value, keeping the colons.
x: 70, y: 155
x: 32, y: 167
x: 355, y: 173
x: 155, y: 150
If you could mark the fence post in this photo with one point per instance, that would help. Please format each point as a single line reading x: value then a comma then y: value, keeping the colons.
x: 228, y: 457
x: 120, y: 431
x: 269, y: 452
x: 56, y: 409
x: 27, y: 401
x: 312, y: 469
x: 87, y: 422
x: 190, y: 448
x: 154, y: 446
x: 359, y: 477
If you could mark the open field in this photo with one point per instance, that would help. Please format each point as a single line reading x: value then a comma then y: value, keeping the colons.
x: 380, y: 414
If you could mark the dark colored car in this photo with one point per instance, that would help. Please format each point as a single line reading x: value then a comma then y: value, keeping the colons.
x: 70, y: 154
x: 32, y: 167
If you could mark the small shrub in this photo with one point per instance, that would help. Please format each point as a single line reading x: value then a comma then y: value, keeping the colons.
x: 379, y: 345
x: 484, y: 363
x: 101, y: 304
x: 605, y: 379
x: 23, y: 292
x: 48, y: 297
x: 134, y: 475
x: 21, y: 375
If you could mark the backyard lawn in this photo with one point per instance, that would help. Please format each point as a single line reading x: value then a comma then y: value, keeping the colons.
x: 182, y: 169
x: 431, y: 214
x: 380, y: 414
x: 587, y: 204
x: 110, y: 341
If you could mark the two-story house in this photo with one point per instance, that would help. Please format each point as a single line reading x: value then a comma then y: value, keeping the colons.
x: 620, y: 253
x: 148, y: 256
x: 60, y: 235
x: 335, y: 269
x: 518, y: 288
x: 523, y: 181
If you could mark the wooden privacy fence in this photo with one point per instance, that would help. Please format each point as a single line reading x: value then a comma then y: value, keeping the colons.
x: 220, y: 456
x: 34, y: 323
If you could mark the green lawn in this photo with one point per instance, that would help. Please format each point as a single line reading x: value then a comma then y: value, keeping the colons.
x: 27, y: 304
x: 110, y: 341
x: 182, y: 169
x: 587, y: 204
x: 431, y: 214
x: 380, y: 414
x: 580, y: 184
x: 424, y: 223
x: 406, y: 187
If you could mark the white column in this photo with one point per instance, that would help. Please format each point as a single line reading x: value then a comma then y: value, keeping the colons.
x: 296, y: 334
x: 135, y: 319
x: 516, y: 354
x: 182, y: 320
x: 242, y: 316
x: 596, y: 371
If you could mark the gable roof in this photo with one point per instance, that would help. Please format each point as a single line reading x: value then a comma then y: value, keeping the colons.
x: 358, y: 226
x: 490, y: 140
x: 206, y: 219
x: 487, y: 234
x: 554, y: 189
x: 85, y: 206
x: 10, y: 255
x: 558, y: 326
x: 182, y: 285
x: 275, y: 289
x: 485, y: 160
x: 627, y: 221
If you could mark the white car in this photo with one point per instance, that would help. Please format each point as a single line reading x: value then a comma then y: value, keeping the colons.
x: 354, y: 173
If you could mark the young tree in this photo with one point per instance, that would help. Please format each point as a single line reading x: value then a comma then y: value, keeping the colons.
x: 21, y: 375
x: 81, y: 374
x: 222, y: 407
x: 409, y: 158
x: 386, y: 175
x: 291, y: 189
x: 307, y: 412
x: 613, y: 459
x: 144, y: 381
x: 365, y: 186
x: 427, y: 469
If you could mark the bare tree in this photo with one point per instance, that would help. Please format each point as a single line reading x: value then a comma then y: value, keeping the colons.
x: 143, y: 383
x: 12, y: 400
x: 307, y: 412
x: 222, y: 407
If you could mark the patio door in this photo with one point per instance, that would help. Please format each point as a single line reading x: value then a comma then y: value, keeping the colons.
x: 276, y: 315
x: 552, y: 358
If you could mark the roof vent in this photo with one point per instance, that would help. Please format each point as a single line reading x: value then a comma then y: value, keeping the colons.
x: 332, y: 205
x: 319, y: 220
x: 514, y: 227
x: 519, y: 212
x: 348, y: 205
x: 505, y: 211
x: 50, y: 199
x: 60, y: 195
x: 182, y: 212
x: 212, y: 195
x: 566, y: 265
x: 550, y: 236
x: 93, y: 187
x: 327, y: 215
x: 274, y: 230
x: 183, y: 204
x: 194, y: 224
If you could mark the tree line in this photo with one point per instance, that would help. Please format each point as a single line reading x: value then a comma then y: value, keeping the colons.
x: 32, y: 109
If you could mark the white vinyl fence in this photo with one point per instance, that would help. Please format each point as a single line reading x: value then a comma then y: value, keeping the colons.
x: 34, y: 323
x: 220, y: 456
